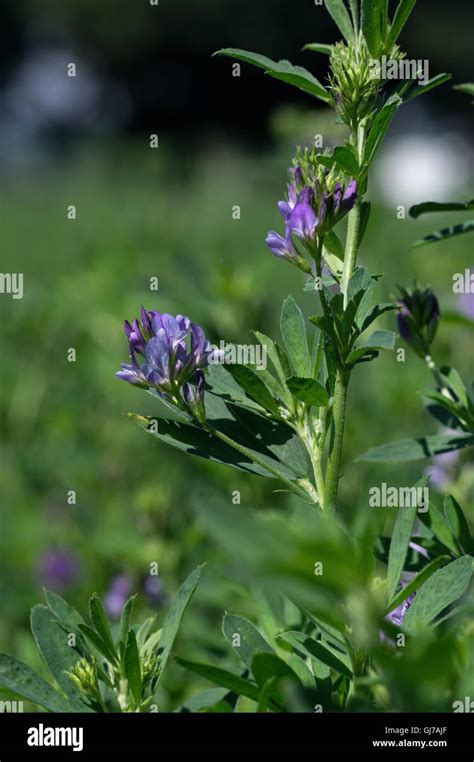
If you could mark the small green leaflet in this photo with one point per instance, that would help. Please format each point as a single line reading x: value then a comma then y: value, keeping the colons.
x: 429, y: 207
x: 442, y: 235
x: 417, y: 449
x: 442, y: 589
x: 283, y: 70
x: 309, y: 391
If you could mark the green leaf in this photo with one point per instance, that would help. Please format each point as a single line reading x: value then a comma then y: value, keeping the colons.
x: 442, y: 589
x: 456, y: 383
x: 202, y: 444
x: 174, y: 616
x: 251, y: 641
x: 382, y: 340
x: 220, y: 381
x: 277, y: 360
x: 318, y: 650
x: 417, y: 449
x: 249, y: 380
x: 66, y: 614
x: 339, y: 13
x: 282, y: 70
x: 131, y: 666
x: 319, y: 47
x: 440, y: 79
x: 342, y: 156
x: 68, y: 617
x: 371, y: 25
x: 354, y: 6
x: 429, y: 207
x: 309, y: 391
x: 442, y: 235
x: 415, y: 583
x: 379, y: 310
x: 98, y: 643
x: 401, y: 17
x: 294, y: 335
x: 380, y: 127
x: 334, y: 245
x: 101, y: 623
x: 458, y: 523
x: 465, y: 87
x: 204, y: 700
x: 52, y: 642
x: 360, y: 281
x: 21, y: 679
x: 268, y: 666
x: 147, y: 627
x: 438, y: 526
x: 125, y: 620
x: 222, y: 677
x: 401, y: 536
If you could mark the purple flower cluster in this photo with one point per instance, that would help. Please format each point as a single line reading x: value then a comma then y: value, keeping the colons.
x: 174, y: 350
x: 310, y: 211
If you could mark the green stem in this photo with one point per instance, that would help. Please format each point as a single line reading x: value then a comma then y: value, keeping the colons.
x: 352, y: 245
x: 333, y: 467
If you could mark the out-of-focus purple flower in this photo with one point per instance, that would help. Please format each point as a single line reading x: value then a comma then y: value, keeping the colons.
x: 174, y: 348
x: 418, y: 318
x: 397, y: 616
x: 466, y: 305
x: 59, y: 569
x: 154, y: 591
x: 441, y: 470
x: 419, y: 549
x: 117, y: 595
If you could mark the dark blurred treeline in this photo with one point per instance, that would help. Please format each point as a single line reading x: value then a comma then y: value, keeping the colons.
x: 159, y: 57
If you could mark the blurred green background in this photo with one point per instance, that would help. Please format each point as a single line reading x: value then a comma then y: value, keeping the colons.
x: 167, y: 213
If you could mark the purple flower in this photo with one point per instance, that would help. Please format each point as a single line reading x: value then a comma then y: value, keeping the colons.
x: 441, y: 471
x: 350, y: 196
x: 119, y: 591
x: 174, y: 348
x: 59, y: 569
x: 397, y: 616
x: 195, y: 397
x: 316, y: 202
x: 303, y: 222
x: 286, y: 207
x: 154, y: 591
x: 279, y: 246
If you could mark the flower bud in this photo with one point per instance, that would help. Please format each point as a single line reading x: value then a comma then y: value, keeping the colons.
x: 418, y: 318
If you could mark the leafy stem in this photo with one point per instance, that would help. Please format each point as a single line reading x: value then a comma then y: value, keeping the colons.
x: 343, y: 376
